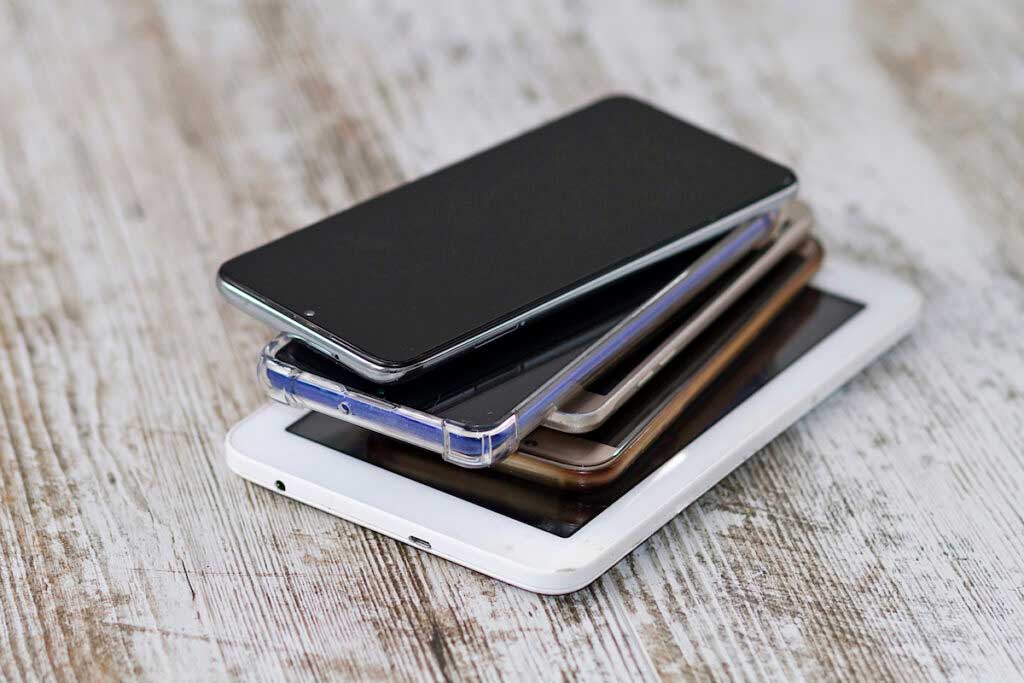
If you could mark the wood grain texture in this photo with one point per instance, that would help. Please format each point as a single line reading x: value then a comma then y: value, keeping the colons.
x: 142, y: 143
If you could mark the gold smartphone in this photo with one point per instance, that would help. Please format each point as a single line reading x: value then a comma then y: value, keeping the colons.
x: 576, y: 461
x: 602, y: 397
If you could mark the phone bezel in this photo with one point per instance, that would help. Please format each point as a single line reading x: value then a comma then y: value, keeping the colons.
x: 386, y: 372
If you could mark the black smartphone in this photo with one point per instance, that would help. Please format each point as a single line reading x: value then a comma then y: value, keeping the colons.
x: 447, y: 263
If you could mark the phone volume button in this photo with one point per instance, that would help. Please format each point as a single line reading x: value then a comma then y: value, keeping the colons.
x: 498, y: 336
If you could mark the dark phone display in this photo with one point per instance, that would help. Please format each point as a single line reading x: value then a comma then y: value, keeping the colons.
x: 409, y: 273
x: 806, y: 321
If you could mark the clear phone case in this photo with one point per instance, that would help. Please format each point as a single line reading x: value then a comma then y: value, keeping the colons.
x: 476, y: 446
x: 456, y: 443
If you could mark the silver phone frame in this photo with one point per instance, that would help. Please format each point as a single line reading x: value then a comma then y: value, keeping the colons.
x: 586, y: 410
x: 296, y: 326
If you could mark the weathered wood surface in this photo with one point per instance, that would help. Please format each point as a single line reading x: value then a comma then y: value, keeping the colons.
x: 143, y: 143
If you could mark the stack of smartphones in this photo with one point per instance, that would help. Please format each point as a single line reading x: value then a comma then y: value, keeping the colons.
x: 536, y: 332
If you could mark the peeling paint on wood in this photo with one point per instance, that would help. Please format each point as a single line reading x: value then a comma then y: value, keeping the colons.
x: 142, y: 143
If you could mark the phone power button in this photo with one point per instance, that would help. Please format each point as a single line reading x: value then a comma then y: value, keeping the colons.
x: 643, y: 378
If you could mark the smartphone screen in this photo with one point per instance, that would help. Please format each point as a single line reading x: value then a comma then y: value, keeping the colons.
x: 449, y: 260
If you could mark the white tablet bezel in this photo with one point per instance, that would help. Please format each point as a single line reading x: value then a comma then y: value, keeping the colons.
x: 260, y: 450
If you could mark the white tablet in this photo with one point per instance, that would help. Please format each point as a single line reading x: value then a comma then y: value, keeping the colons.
x: 555, y: 542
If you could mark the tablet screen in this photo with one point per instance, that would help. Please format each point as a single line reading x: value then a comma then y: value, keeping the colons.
x: 807, y: 320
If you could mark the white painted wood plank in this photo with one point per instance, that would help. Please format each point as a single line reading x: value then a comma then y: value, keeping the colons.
x: 143, y: 143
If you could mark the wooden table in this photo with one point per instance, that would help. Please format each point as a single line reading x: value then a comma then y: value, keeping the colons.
x: 142, y: 144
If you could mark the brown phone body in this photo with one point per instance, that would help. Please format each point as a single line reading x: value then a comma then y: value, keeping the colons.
x: 572, y: 461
